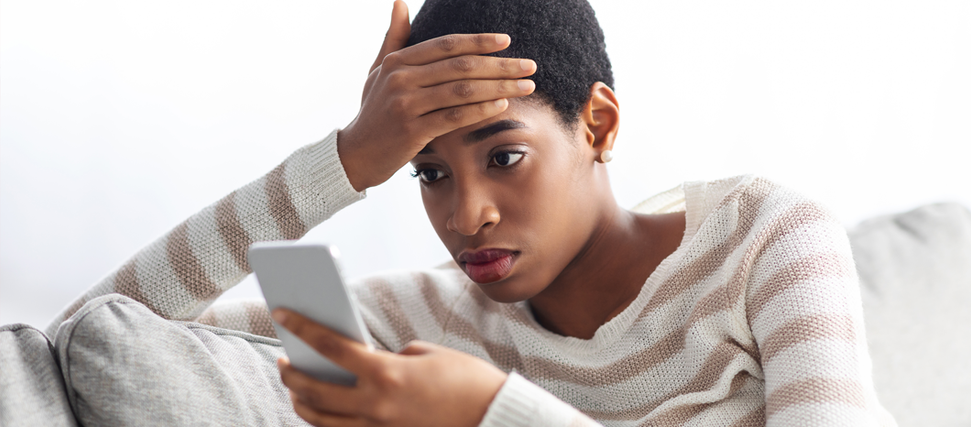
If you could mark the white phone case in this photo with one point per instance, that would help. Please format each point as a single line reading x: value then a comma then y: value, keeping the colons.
x: 306, y: 279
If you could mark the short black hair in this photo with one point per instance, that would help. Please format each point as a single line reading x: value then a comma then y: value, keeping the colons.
x: 562, y: 36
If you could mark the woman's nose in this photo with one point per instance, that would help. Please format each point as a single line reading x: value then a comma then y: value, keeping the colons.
x: 473, y: 212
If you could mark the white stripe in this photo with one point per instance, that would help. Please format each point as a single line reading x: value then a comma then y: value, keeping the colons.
x: 823, y: 415
x: 801, y: 299
x: 253, y: 212
x: 825, y: 358
x: 211, y: 251
x: 160, y: 285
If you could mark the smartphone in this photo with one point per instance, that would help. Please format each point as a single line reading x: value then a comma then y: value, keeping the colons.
x: 306, y: 278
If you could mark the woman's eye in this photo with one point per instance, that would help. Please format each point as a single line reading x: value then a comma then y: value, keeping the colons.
x: 429, y: 175
x: 507, y: 159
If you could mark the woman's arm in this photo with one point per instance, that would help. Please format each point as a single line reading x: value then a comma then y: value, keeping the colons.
x: 181, y: 273
x: 803, y: 306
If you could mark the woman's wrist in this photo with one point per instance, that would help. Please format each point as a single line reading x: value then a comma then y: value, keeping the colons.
x: 346, y: 151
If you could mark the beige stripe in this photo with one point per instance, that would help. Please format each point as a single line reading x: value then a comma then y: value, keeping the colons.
x: 232, y: 232
x: 808, y: 328
x: 714, y: 302
x: 680, y: 415
x: 392, y: 310
x: 281, y: 207
x: 713, y: 368
x: 186, y: 266
x: 810, y: 267
x: 259, y: 319
x: 815, y: 390
x: 207, y: 317
x: 755, y: 418
x: 706, y: 378
x: 126, y: 283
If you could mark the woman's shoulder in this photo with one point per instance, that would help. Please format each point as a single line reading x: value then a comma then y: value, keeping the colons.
x: 750, y: 197
x: 750, y: 205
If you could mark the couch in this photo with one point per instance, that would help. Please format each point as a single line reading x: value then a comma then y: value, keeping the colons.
x: 915, y: 276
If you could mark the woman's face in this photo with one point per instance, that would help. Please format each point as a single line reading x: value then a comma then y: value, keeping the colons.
x: 513, y: 198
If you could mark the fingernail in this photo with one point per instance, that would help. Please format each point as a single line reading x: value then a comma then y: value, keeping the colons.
x: 502, y: 39
x: 525, y: 85
x: 279, y: 316
x: 501, y: 103
x: 526, y: 64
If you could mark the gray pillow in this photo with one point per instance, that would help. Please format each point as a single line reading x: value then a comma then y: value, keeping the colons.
x: 124, y: 365
x: 31, y: 387
x: 915, y: 276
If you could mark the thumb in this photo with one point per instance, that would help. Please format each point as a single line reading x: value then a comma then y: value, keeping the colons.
x: 398, y: 32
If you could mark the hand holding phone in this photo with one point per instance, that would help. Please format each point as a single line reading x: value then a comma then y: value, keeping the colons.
x: 306, y: 279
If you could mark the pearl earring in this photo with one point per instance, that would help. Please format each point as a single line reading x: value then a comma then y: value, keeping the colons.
x: 606, y: 156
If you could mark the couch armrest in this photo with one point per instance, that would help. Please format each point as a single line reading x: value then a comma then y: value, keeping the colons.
x: 31, y: 385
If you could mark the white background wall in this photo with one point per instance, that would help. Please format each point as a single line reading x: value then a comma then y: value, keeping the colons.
x: 120, y: 119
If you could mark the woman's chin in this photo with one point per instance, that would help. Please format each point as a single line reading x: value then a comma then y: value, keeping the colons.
x: 509, y: 290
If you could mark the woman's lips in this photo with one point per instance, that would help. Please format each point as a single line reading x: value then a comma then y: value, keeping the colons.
x: 488, y: 265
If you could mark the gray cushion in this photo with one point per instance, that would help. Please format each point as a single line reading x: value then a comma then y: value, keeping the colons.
x: 31, y: 388
x: 915, y: 274
x: 123, y: 365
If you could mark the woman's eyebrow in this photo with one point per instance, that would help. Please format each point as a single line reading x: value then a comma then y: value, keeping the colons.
x: 492, y: 129
x: 484, y: 132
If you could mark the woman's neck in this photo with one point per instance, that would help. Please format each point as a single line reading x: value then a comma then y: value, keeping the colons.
x: 607, y: 275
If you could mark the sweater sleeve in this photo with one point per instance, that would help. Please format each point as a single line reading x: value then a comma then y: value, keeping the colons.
x: 184, y: 271
x: 803, y: 305
x: 522, y: 403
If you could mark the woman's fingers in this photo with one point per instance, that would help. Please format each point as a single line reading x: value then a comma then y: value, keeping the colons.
x: 455, y: 94
x: 343, y: 351
x: 449, y: 46
x: 322, y: 396
x: 398, y: 33
x: 438, y: 123
x: 469, y: 67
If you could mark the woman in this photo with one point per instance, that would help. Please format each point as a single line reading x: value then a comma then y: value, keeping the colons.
x: 734, y: 302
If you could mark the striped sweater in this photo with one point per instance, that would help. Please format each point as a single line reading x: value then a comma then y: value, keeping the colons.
x: 754, y: 320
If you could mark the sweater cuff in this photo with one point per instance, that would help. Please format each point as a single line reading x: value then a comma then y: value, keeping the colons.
x: 328, y: 187
x: 522, y: 403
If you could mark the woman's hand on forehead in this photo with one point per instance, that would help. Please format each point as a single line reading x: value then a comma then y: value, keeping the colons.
x: 415, y: 94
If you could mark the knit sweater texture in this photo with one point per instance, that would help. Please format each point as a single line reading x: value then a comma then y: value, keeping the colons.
x: 754, y: 320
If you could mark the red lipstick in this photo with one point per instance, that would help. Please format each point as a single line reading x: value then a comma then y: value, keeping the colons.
x: 487, y: 265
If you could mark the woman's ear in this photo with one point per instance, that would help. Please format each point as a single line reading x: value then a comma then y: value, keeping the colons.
x: 601, y: 119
